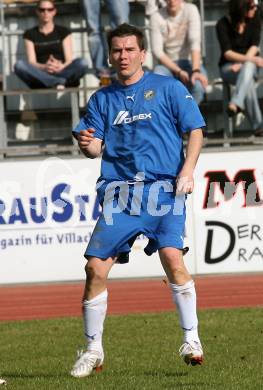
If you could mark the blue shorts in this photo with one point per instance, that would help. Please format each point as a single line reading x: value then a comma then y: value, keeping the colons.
x: 152, y: 211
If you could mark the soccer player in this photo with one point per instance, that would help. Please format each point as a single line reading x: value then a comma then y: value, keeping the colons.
x: 137, y: 124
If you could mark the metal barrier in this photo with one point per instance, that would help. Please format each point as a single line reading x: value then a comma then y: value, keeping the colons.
x: 7, y: 151
x: 74, y: 92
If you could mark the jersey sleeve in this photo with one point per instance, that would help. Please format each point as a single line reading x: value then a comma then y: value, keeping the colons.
x: 185, y: 109
x: 92, y: 119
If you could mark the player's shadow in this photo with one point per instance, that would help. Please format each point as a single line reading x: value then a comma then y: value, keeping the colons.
x: 10, y: 376
x: 165, y: 373
x: 179, y: 385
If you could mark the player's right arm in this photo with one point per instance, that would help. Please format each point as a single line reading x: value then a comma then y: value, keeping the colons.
x: 89, y: 145
x: 89, y: 132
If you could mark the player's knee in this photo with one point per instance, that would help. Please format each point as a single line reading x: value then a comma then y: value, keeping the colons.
x: 89, y: 273
x: 93, y: 275
x: 176, y: 267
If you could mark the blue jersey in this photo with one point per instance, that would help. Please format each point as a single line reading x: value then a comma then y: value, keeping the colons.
x: 141, y: 126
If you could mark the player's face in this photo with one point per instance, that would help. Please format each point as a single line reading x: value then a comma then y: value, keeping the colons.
x: 127, y: 58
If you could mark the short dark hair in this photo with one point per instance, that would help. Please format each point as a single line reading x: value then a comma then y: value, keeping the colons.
x: 124, y: 30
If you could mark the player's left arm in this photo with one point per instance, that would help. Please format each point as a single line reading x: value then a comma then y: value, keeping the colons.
x: 185, y: 179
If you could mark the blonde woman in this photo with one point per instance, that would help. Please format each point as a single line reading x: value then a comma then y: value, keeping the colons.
x: 49, y: 53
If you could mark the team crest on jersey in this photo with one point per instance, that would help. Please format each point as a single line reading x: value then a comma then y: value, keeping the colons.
x: 148, y: 95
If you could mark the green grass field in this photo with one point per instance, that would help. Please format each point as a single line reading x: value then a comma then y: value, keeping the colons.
x: 141, y: 353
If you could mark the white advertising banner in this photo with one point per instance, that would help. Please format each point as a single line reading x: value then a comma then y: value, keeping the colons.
x: 228, y: 212
x: 48, y: 210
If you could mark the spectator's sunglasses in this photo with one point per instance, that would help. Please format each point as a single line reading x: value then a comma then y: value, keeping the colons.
x: 42, y: 10
x: 251, y: 6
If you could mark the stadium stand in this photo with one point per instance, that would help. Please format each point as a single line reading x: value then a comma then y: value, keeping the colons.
x: 47, y: 110
x: 54, y: 114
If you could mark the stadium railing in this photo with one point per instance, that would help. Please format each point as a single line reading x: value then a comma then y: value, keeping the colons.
x: 14, y: 91
x: 79, y: 31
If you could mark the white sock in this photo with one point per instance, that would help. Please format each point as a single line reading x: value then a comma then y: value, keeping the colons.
x: 184, y: 296
x: 94, y: 312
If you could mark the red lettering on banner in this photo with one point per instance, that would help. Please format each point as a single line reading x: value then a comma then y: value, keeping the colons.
x: 220, y: 180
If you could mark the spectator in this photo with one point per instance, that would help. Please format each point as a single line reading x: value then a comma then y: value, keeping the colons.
x: 176, y: 44
x: 152, y: 6
x: 49, y: 53
x: 239, y: 38
x: 119, y: 13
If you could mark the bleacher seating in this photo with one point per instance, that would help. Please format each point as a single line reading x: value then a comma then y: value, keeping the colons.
x: 19, y: 17
x: 56, y: 114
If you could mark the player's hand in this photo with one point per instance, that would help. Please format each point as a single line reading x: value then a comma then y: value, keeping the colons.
x: 90, y: 146
x: 85, y: 137
x: 184, y: 185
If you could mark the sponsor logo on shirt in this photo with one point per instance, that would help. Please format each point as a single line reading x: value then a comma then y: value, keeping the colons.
x: 123, y: 117
x: 148, y: 95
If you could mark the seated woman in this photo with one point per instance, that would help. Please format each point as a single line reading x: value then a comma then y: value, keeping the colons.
x: 239, y: 37
x: 49, y: 53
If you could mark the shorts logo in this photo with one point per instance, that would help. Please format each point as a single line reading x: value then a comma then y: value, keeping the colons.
x: 148, y: 95
x: 122, y: 117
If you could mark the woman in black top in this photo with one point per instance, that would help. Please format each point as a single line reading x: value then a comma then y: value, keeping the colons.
x: 239, y: 37
x: 49, y: 53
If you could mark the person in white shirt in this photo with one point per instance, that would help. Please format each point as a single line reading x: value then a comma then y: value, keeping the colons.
x: 152, y: 6
x: 175, y: 32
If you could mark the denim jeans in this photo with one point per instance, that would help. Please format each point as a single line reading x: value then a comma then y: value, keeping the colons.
x: 119, y: 13
x: 36, y: 78
x: 245, y: 94
x: 197, y: 90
